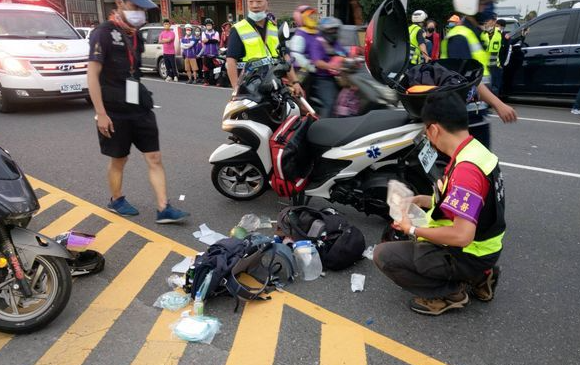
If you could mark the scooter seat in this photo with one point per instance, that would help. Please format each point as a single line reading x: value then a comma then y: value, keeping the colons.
x: 333, y: 132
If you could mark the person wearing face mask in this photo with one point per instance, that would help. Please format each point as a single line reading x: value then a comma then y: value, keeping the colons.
x: 210, y: 39
x: 124, y: 107
x: 463, y: 42
x: 433, y: 36
x: 306, y: 19
x: 459, y: 248
x: 327, y: 55
x: 255, y: 38
x: 491, y: 38
x: 417, y: 39
x: 453, y: 21
x: 190, y: 49
x: 167, y: 39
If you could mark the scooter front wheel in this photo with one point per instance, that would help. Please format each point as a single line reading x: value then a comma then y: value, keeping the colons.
x: 239, y: 181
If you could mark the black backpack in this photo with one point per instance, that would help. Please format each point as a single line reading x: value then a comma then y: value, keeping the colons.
x: 339, y: 244
x: 226, y: 259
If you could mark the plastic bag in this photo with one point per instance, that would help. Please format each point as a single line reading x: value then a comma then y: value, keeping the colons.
x: 172, y: 301
x: 398, y: 199
x: 196, y: 328
x: 250, y: 222
x: 357, y: 282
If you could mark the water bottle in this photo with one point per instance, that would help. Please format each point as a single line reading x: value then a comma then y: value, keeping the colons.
x: 198, y: 305
x: 308, y: 260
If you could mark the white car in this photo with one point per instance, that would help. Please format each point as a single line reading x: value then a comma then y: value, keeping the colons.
x: 42, y: 57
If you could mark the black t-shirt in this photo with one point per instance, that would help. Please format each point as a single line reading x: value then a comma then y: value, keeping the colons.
x: 236, y: 47
x: 107, y: 46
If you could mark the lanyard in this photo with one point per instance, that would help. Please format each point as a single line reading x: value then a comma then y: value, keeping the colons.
x: 131, y: 51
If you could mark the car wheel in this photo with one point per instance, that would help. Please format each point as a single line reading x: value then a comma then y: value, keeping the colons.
x: 161, y: 69
x: 6, y: 104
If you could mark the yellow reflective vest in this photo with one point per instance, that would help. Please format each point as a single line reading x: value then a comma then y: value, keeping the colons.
x: 255, y: 46
x: 415, y: 55
x: 477, y: 52
x: 491, y: 223
x: 492, y: 46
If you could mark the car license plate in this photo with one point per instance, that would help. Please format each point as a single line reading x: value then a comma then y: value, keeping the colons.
x: 427, y: 157
x: 70, y: 88
x: 217, y: 70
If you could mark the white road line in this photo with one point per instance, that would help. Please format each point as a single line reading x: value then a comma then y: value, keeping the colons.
x: 548, y: 171
x: 188, y: 85
x: 543, y: 120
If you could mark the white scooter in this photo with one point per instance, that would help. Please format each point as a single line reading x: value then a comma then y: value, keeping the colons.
x: 352, y: 158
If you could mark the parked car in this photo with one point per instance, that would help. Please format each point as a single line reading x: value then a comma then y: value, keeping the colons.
x: 545, y: 57
x: 152, y: 58
x: 511, y: 24
x: 41, y: 56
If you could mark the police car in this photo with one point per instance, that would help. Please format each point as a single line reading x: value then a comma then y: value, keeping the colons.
x: 42, y: 57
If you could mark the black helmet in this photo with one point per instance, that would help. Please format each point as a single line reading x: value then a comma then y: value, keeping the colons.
x: 208, y: 21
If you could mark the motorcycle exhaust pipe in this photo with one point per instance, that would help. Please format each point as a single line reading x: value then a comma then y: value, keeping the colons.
x: 9, y: 251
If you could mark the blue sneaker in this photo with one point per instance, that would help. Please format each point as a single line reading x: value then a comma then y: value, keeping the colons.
x: 122, y: 207
x: 171, y: 215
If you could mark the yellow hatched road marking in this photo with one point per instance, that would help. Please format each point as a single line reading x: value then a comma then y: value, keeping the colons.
x: 160, y: 347
x: 75, y: 345
x: 250, y: 346
x: 342, y: 345
x: 108, y: 236
x: 67, y: 221
x: 4, y: 339
x: 257, y: 336
x: 48, y: 201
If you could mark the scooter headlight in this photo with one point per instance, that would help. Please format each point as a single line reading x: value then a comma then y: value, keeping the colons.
x: 236, y: 106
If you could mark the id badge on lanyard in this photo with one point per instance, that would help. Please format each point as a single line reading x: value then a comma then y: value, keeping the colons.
x: 132, y: 84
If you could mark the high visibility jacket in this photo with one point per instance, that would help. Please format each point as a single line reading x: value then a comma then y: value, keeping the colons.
x: 415, y: 55
x: 475, y: 46
x: 491, y: 222
x: 253, y: 42
x: 492, y: 46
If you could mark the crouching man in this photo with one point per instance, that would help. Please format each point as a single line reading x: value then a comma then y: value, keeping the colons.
x: 458, y: 251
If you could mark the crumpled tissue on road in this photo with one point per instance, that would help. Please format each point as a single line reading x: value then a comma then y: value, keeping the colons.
x: 207, y: 236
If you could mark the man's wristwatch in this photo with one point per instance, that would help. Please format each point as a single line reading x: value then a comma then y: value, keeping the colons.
x: 412, y: 231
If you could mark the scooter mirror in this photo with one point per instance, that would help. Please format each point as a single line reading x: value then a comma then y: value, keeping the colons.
x: 284, y: 32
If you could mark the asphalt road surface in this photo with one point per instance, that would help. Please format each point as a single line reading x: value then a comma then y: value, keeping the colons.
x: 110, y: 318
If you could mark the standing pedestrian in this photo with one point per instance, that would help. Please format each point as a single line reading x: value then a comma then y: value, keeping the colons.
x: 167, y: 39
x: 463, y: 42
x: 491, y: 38
x: 417, y: 39
x: 189, y: 45
x: 211, y: 40
x: 433, y: 36
x: 124, y: 106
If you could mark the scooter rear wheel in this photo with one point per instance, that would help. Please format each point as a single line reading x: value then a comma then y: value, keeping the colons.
x: 242, y: 181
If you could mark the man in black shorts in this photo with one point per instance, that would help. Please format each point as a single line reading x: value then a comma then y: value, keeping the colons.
x: 124, y: 106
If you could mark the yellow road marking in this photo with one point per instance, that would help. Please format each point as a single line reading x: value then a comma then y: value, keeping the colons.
x: 108, y: 236
x: 4, y: 339
x: 342, y: 345
x: 257, y: 336
x: 75, y: 345
x: 160, y: 347
x: 48, y: 201
x: 66, y: 222
x: 251, y: 346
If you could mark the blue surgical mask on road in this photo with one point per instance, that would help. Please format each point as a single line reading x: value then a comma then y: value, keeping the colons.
x: 257, y: 16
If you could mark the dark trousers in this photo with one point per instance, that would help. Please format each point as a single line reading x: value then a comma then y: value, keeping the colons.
x: 577, y: 102
x: 428, y: 270
x: 325, y: 89
x: 170, y: 65
x: 208, y: 67
x: 496, y: 79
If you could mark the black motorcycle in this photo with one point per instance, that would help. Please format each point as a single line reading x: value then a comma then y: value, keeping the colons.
x: 35, y: 278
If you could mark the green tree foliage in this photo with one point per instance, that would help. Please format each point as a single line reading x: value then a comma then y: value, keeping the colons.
x: 440, y: 10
